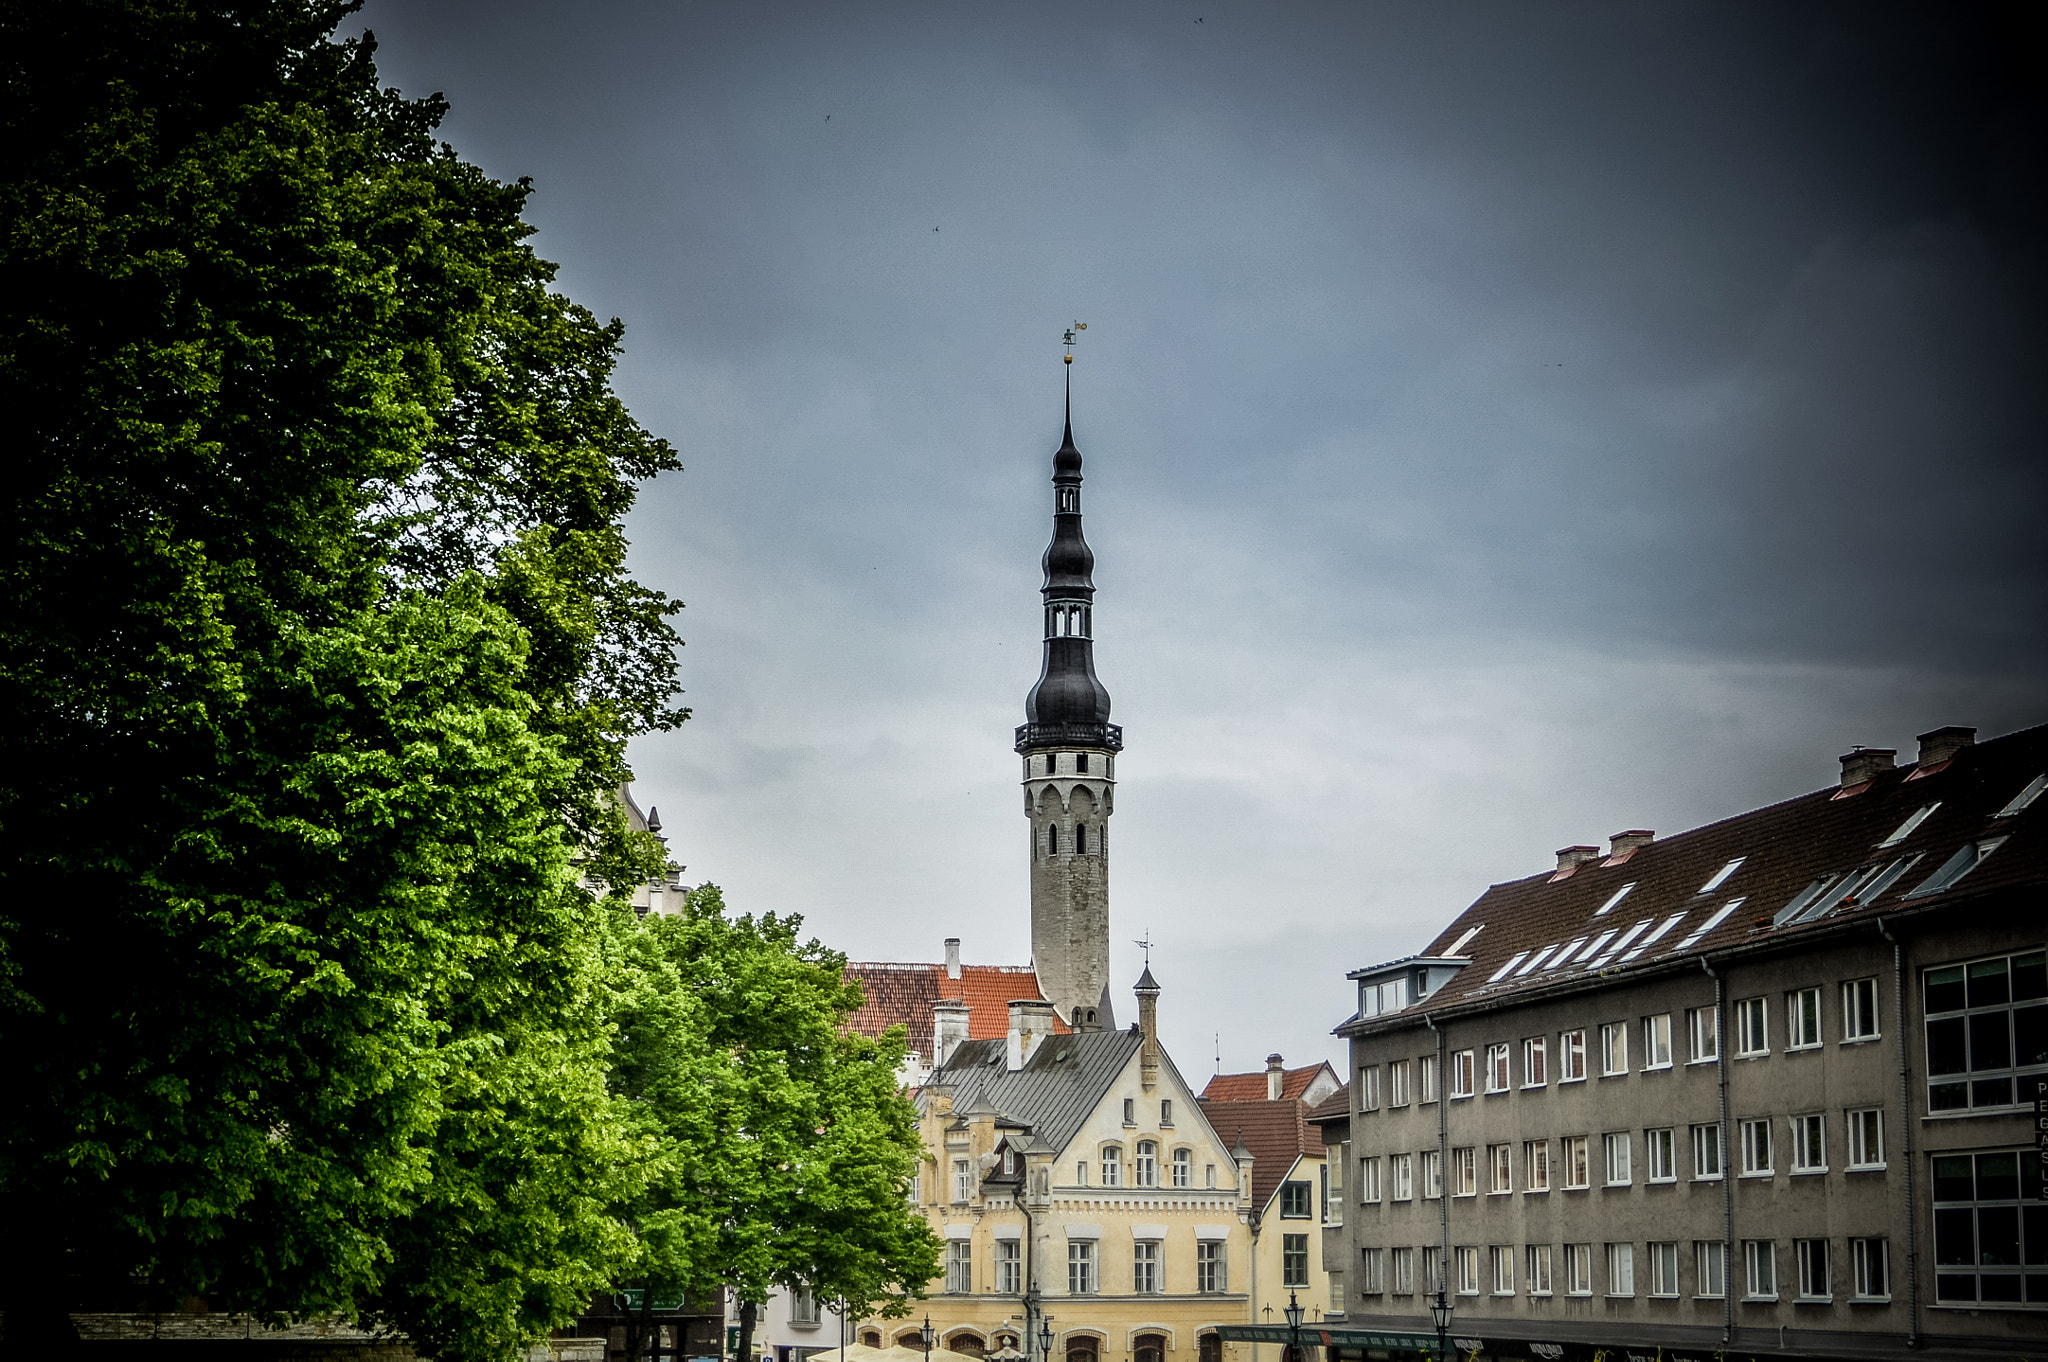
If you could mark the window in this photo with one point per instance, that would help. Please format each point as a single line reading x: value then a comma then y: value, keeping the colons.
x: 1080, y: 1267
x: 1370, y: 1188
x: 1604, y: 909
x: 1372, y: 1271
x: 1080, y: 839
x: 1756, y: 1149
x: 1905, y: 829
x: 1987, y: 1025
x: 1752, y: 1027
x: 1052, y: 839
x: 1663, y: 1269
x: 1989, y: 1219
x: 1809, y: 1143
x: 1661, y: 1148
x: 2025, y: 797
x: 1465, y: 1171
x: 1130, y: 1111
x: 1866, y: 1138
x: 1702, y: 1026
x: 1613, y: 1049
x: 1296, y: 1201
x: 1657, y: 1041
x: 1294, y: 1260
x: 803, y: 1309
x: 1425, y: 1073
x: 1145, y: 1168
x: 1081, y: 1173
x: 959, y: 1265
x: 1501, y: 1262
x: 1468, y: 1270
x: 1009, y: 1267
x: 1760, y: 1261
x: 1500, y: 1160
x: 963, y: 1180
x: 1145, y: 1267
x: 1209, y: 1174
x: 1955, y: 867
x: 1571, y: 1057
x: 1812, y: 1257
x: 1212, y: 1266
x: 1802, y: 1009
x: 1615, y: 1151
x: 1721, y: 876
x: 1166, y: 1111
x: 1578, y: 1269
x: 1577, y: 1168
x: 1497, y: 1076
x: 1870, y: 1262
x: 1621, y: 1269
x: 1403, y: 1261
x: 1432, y: 1174
x: 1710, y: 1268
x: 1183, y: 1168
x: 1112, y: 1166
x: 1397, y: 1083
x: 1535, y: 1072
x: 1336, y: 1276
x: 1333, y: 1184
x: 1461, y: 1073
x: 1402, y: 1169
x: 1536, y: 1166
x: 1369, y: 1088
x: 1706, y: 1152
x: 1081, y: 763
x: 1538, y: 1274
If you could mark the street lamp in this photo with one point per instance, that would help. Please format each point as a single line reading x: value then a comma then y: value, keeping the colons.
x: 1440, y: 1315
x: 1045, y: 1341
x: 1293, y: 1313
x: 927, y: 1335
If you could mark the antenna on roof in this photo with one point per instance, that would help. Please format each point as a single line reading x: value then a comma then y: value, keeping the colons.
x: 1219, y: 1052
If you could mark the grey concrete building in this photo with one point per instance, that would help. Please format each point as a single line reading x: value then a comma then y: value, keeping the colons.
x: 1765, y: 1088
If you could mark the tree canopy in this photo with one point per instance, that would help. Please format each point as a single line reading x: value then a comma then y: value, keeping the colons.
x: 319, y: 657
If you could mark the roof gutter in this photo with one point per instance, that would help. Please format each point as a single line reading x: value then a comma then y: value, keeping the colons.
x: 1443, y: 1158
x: 1906, y: 1138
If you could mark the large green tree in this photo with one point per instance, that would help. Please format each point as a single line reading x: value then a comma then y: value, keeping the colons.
x: 317, y: 660
x: 782, y: 1145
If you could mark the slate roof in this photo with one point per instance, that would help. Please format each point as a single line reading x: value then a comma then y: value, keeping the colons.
x: 1252, y: 1087
x: 903, y: 994
x: 1531, y: 924
x: 1062, y: 1082
x: 1277, y: 1133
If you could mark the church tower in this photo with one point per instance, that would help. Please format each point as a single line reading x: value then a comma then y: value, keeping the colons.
x: 1069, y: 749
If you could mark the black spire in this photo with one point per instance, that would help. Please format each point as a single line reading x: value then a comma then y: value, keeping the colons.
x: 1068, y: 707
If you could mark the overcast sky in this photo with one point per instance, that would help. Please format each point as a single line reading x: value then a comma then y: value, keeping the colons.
x: 1505, y: 425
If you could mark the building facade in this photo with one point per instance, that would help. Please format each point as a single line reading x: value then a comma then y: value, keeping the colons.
x: 1768, y: 1087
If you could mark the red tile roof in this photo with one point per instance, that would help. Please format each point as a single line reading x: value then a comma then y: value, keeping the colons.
x: 903, y: 994
x: 1277, y: 1133
x: 1252, y: 1087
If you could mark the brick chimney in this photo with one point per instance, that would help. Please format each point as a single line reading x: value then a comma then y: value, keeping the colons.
x: 1943, y: 743
x: 1030, y: 1026
x: 949, y: 1028
x: 1571, y: 858
x: 1623, y: 842
x: 1864, y: 763
x: 952, y: 957
x: 1275, y: 1078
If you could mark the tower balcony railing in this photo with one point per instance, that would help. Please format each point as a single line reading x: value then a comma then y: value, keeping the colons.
x: 1031, y: 737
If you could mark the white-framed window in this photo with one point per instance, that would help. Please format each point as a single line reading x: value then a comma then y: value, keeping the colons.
x: 1614, y: 1151
x: 1336, y: 1279
x: 1613, y: 1049
x: 1145, y: 1167
x: 1657, y: 1041
x: 1870, y: 1261
x: 1537, y: 1272
x: 1498, y: 1078
x: 1752, y: 1027
x: 1810, y: 1143
x: 1009, y: 1264
x: 1081, y: 1267
x: 1081, y: 1173
x: 1183, y: 1168
x: 1710, y: 1268
x: 1866, y: 1137
x: 1621, y: 1269
x: 1370, y: 1187
x: 1212, y: 1266
x: 1397, y: 1083
x: 1372, y: 1272
x: 1702, y: 1029
x: 1369, y: 1088
x: 1209, y: 1175
x: 1578, y: 1269
x: 1536, y: 1166
x: 1578, y: 1170
x: 1112, y: 1165
x: 1145, y: 1267
x: 803, y: 1309
x: 1663, y: 1268
x: 1433, y: 1269
x: 1571, y: 1056
x: 1468, y: 1269
x: 1501, y: 1261
x: 1425, y: 1077
x: 1760, y: 1269
x: 1812, y: 1258
x: 1859, y: 1011
x: 1401, y: 1171
x: 1535, y: 1062
x: 1500, y: 1161
x: 1461, y: 1073
x: 963, y: 1180
x: 1802, y: 1011
x: 1465, y: 1171
x: 1706, y: 1152
x: 1402, y: 1260
x: 959, y: 1266
x: 1756, y: 1149
x: 1432, y: 1175
x: 1660, y: 1149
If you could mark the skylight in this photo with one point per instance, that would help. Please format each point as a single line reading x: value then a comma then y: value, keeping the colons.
x: 1502, y: 972
x: 2024, y: 797
x: 1619, y: 895
x: 1955, y: 867
x: 1594, y: 949
x: 1459, y: 945
x: 1566, y: 953
x: 1906, y: 828
x: 1804, y: 897
x: 1720, y: 916
x: 1536, y: 960
x: 1721, y: 875
x: 1863, y: 885
x: 1663, y: 929
x: 1617, y: 948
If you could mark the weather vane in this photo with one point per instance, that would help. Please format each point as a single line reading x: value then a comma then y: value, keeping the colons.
x: 1077, y: 326
x: 1146, y: 944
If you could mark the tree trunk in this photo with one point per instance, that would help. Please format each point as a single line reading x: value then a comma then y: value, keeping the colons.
x: 743, y: 1350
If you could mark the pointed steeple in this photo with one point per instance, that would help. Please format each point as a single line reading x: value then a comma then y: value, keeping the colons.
x: 1069, y: 706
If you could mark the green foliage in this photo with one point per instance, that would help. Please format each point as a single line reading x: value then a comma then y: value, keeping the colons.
x: 782, y: 1146
x: 319, y: 658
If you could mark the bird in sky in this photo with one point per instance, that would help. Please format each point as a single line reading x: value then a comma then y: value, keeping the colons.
x: 828, y: 118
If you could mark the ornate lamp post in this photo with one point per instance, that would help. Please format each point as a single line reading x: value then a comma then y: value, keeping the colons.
x: 927, y: 1335
x: 1045, y: 1342
x: 1293, y: 1313
x: 1440, y: 1316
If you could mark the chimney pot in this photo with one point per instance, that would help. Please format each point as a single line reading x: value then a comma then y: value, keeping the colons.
x: 1571, y: 858
x: 1275, y: 1075
x: 1864, y: 763
x: 1943, y: 743
x: 952, y: 957
x: 1629, y: 840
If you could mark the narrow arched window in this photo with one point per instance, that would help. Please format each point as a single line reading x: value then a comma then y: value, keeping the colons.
x: 1080, y: 839
x: 1052, y: 840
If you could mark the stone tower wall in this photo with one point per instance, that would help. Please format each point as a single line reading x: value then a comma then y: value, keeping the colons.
x: 1070, y: 888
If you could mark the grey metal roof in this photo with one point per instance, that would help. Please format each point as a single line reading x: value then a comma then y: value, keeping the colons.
x: 1062, y: 1082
